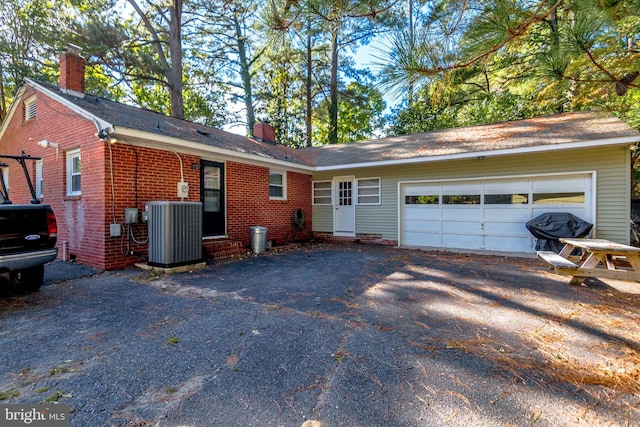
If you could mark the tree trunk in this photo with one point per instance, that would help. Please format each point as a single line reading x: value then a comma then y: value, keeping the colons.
x: 3, y: 101
x: 174, y: 76
x: 245, y: 72
x: 173, y: 72
x: 412, y: 41
x: 308, y: 82
x: 333, y: 86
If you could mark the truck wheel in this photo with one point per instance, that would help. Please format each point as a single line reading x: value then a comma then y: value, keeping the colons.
x: 27, y: 280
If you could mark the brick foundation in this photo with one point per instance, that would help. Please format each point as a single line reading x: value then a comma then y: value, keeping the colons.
x: 372, y: 239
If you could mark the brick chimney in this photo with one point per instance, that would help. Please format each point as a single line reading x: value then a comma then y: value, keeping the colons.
x: 72, y: 71
x: 264, y: 132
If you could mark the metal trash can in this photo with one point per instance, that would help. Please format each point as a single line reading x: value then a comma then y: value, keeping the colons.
x: 258, y: 239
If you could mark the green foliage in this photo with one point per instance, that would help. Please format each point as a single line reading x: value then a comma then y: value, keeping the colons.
x: 460, y: 63
x: 359, y: 115
x: 503, y: 60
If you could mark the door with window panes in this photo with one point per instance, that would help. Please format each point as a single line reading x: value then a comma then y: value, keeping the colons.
x: 344, y: 216
x: 212, y: 198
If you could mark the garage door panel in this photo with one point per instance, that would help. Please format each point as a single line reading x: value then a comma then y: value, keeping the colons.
x: 505, y: 228
x: 464, y: 213
x: 421, y: 212
x: 505, y: 185
x: 550, y: 184
x: 461, y: 227
x: 422, y: 225
x: 508, y: 243
x: 422, y: 189
x: 422, y: 239
x: 508, y: 214
x: 462, y: 187
x: 489, y: 214
x: 461, y: 241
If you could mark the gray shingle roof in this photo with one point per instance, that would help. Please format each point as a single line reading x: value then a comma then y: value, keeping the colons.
x: 542, y: 132
x: 127, y: 116
x: 537, y: 133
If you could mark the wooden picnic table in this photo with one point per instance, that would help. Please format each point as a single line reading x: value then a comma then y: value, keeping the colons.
x: 599, y: 258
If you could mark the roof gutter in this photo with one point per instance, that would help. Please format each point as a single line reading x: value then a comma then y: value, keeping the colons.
x: 143, y: 138
x: 627, y: 140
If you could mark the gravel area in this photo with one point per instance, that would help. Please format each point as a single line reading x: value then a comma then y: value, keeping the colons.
x: 327, y: 335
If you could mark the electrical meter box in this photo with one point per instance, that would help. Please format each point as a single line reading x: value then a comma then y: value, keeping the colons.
x: 131, y: 216
x: 183, y: 189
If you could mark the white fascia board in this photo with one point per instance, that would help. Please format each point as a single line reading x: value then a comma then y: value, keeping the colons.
x: 12, y: 110
x: 152, y: 140
x: 100, y: 124
x: 627, y: 140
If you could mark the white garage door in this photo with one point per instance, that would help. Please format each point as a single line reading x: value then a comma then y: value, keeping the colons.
x: 487, y: 214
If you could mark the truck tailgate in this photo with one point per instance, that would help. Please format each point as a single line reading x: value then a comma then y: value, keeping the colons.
x: 24, y: 228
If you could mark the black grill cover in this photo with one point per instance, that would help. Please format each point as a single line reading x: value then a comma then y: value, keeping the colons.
x: 549, y: 227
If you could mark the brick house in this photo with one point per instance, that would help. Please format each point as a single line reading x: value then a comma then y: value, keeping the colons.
x: 470, y: 188
x: 100, y: 157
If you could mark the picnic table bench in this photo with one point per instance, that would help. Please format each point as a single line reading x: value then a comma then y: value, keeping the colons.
x: 599, y: 258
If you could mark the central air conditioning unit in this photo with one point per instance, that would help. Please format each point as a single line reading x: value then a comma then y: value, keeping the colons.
x: 175, y: 233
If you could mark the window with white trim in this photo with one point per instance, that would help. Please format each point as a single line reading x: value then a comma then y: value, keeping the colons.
x: 369, y: 191
x: 73, y: 172
x: 322, y: 192
x: 30, y: 108
x: 277, y: 185
x: 39, y: 179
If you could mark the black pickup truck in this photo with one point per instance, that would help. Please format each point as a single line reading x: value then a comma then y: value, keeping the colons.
x: 28, y: 234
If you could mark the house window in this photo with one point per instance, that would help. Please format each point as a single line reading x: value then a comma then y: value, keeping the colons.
x: 461, y: 199
x: 422, y: 200
x: 39, y: 179
x: 30, y: 108
x: 73, y: 172
x: 558, y: 198
x: 277, y: 185
x: 322, y: 193
x: 506, y: 199
x: 369, y: 191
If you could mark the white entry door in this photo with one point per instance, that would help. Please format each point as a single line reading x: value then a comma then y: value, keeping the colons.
x: 344, y: 213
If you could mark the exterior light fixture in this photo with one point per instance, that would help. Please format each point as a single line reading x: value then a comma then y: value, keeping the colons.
x: 104, y: 135
x: 44, y: 144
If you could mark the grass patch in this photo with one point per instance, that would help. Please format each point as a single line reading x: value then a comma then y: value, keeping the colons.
x: 54, y: 397
x: 339, y: 356
x: 9, y: 394
x: 173, y: 340
x: 59, y: 370
x: 43, y: 390
x: 170, y: 390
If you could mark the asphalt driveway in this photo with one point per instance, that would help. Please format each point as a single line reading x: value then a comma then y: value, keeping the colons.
x: 326, y: 335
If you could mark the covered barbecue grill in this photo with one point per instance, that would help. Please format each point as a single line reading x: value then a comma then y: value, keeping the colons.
x: 550, y: 227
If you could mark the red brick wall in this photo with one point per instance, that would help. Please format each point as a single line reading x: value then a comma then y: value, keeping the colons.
x: 140, y: 175
x: 248, y: 203
x: 72, y: 72
x: 78, y: 216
